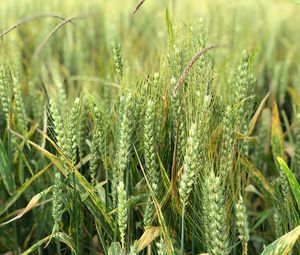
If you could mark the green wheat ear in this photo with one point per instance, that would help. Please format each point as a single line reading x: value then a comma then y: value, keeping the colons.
x: 133, y: 250
x: 124, y: 142
x: 243, y: 85
x: 242, y: 223
x: 58, y: 125
x: 122, y: 212
x: 71, y: 138
x: 161, y: 249
x: 151, y: 165
x: 214, y: 217
x: 117, y: 56
x: 5, y: 92
x: 20, y: 108
x: 57, y: 198
x: 61, y: 92
x: 191, y: 165
x: 57, y: 205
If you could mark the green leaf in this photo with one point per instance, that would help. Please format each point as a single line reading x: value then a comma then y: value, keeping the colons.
x: 114, y: 249
x: 32, y: 203
x: 92, y: 201
x: 34, y: 247
x: 5, y: 172
x: 169, y: 28
x: 284, y: 244
x: 148, y: 236
x: 62, y: 237
x: 261, y: 182
x: 276, y: 136
x: 295, y: 187
x: 13, y: 198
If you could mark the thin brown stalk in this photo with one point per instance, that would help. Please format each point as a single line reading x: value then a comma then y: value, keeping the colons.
x: 191, y: 63
x: 138, y: 6
x: 29, y: 19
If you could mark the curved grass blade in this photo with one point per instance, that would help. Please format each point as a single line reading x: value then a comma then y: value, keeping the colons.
x: 147, y: 237
x: 257, y: 114
x: 284, y: 244
x: 63, y: 237
x: 262, y: 183
x: 276, y: 135
x: 5, y: 173
x: 13, y: 198
x: 295, y: 187
x: 32, y: 203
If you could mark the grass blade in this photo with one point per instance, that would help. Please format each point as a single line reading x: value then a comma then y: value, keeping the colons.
x: 295, y: 187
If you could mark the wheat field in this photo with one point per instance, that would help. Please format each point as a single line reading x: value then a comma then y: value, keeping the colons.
x: 150, y: 127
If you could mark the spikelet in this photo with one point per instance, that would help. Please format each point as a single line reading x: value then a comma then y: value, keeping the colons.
x: 122, y: 212
x: 124, y: 138
x: 62, y: 96
x: 191, y: 165
x: 161, y: 249
x: 149, y: 145
x: 150, y: 158
x: 124, y: 135
x: 243, y: 84
x: 149, y: 213
x: 156, y: 78
x: 58, y: 125
x: 57, y: 206
x: 5, y: 92
x: 133, y: 250
x: 278, y: 224
x: 242, y: 223
x: 284, y: 185
x: 20, y: 108
x: 214, y: 219
x: 71, y: 142
x: 117, y: 56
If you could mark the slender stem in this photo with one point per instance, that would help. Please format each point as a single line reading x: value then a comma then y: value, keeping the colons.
x: 76, y: 213
x: 58, y: 247
x: 182, y: 231
x: 193, y: 228
x: 91, y: 236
